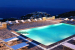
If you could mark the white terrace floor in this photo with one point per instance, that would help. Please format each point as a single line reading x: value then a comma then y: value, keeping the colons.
x: 6, y: 33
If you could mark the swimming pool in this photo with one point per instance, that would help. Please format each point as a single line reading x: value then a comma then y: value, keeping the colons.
x: 50, y: 34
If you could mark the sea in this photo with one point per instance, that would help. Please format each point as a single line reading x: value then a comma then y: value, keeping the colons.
x: 17, y: 12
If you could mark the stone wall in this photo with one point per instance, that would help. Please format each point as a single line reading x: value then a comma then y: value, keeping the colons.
x: 3, y: 25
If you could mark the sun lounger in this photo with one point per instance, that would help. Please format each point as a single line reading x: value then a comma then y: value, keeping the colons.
x: 73, y: 38
x: 66, y: 19
x: 10, y: 39
x: 10, y: 23
x: 17, y: 21
x: 72, y: 19
x: 29, y: 20
x: 68, y: 45
x: 35, y: 19
x: 22, y: 21
x: 18, y: 46
x: 40, y: 18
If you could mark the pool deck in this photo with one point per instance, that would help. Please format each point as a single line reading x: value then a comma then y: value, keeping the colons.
x: 6, y: 33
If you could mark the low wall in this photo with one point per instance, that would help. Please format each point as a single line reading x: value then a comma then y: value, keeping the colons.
x: 44, y: 18
x: 3, y: 25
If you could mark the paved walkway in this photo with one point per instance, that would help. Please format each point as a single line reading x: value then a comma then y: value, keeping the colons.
x: 6, y: 33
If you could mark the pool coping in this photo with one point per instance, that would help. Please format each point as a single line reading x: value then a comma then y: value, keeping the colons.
x: 45, y: 25
x: 36, y: 26
x: 46, y: 47
x: 49, y: 46
x: 17, y: 34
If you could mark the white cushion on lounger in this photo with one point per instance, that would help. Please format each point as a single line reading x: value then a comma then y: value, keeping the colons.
x: 40, y: 18
x: 35, y: 19
x: 66, y: 19
x: 72, y: 19
x: 69, y: 45
x: 10, y: 22
x: 73, y: 38
x: 17, y: 21
x: 22, y: 21
x: 29, y: 20
x: 10, y: 39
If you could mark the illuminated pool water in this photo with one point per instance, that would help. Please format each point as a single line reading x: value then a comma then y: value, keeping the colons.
x: 50, y: 34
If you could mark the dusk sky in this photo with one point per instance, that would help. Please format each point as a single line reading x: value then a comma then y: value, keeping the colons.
x: 67, y: 4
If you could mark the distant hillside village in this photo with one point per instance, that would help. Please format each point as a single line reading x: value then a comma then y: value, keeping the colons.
x: 38, y: 14
x: 35, y: 15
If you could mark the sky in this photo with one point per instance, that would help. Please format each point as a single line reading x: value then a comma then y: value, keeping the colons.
x: 66, y: 4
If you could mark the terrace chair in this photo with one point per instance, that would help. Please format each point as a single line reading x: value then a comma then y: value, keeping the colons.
x: 10, y: 39
x: 68, y: 45
x: 29, y: 20
x: 10, y: 23
x: 22, y: 21
x: 66, y: 19
x: 73, y: 38
x: 18, y: 46
x: 72, y: 20
x: 40, y: 18
x: 35, y: 19
x: 17, y: 21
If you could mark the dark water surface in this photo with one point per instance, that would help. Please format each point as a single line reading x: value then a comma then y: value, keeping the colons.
x: 7, y: 12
